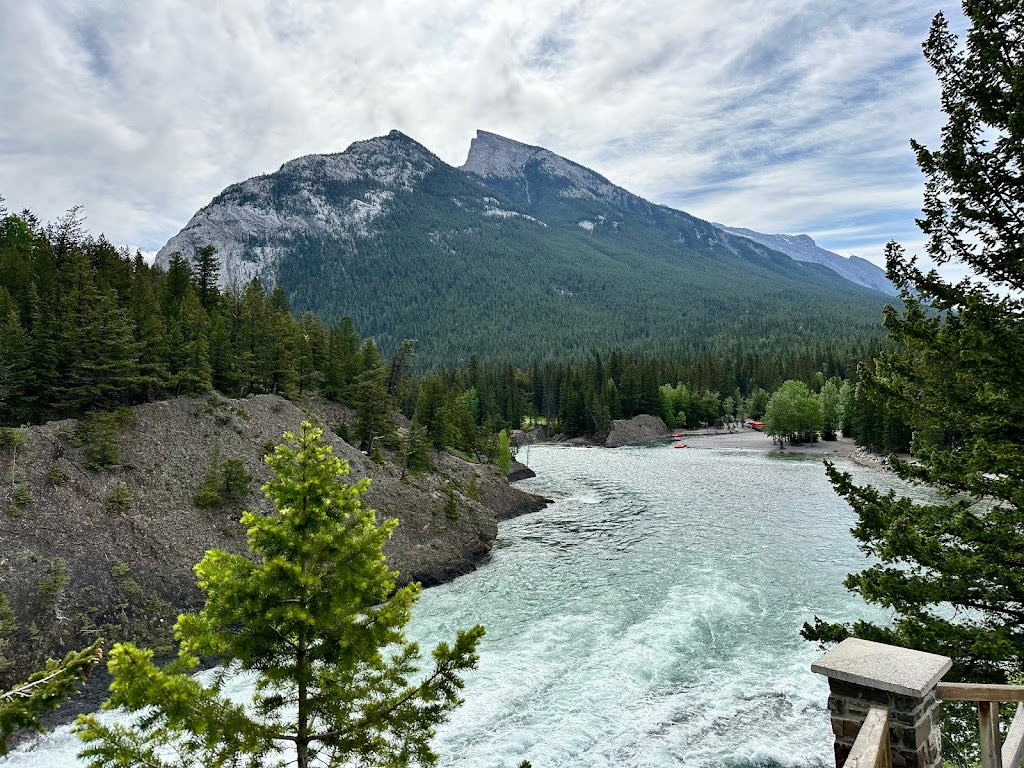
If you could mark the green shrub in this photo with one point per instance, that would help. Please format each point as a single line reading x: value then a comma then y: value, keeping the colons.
x: 451, y: 507
x: 21, y: 499
x: 53, y: 583
x: 119, y: 569
x: 208, y: 495
x: 7, y: 627
x: 120, y: 499
x: 11, y: 437
x: 226, y: 482
x: 55, y: 475
x: 473, y: 490
x: 97, y: 434
x: 236, y: 481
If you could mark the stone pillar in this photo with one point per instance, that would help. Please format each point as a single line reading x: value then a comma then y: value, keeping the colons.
x: 861, y: 674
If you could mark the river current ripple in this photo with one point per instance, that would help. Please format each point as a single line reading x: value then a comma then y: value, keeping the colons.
x: 649, y: 617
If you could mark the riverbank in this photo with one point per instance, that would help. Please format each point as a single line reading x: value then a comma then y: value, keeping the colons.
x: 752, y: 440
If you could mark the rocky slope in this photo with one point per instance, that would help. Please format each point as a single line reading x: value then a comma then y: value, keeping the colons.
x: 803, y: 248
x: 111, y: 552
x: 338, y: 196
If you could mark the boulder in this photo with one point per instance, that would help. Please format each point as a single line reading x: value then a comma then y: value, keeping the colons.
x: 639, y: 429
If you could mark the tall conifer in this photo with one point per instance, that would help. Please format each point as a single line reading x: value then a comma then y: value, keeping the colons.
x: 957, y: 376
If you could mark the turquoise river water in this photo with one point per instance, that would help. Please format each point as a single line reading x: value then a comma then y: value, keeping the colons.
x: 649, y: 617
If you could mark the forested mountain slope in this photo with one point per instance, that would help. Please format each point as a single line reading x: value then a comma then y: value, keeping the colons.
x: 519, y: 255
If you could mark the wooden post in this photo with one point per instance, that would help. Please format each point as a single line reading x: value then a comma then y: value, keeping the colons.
x: 988, y: 734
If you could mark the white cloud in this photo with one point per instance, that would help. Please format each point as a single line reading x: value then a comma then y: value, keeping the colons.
x: 777, y: 115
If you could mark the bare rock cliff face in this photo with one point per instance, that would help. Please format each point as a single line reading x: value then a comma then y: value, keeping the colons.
x: 254, y: 224
x: 75, y: 565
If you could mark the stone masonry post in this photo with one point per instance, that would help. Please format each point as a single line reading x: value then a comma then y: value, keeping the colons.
x: 861, y: 674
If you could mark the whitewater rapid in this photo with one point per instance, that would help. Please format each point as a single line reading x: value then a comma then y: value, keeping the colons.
x: 649, y: 617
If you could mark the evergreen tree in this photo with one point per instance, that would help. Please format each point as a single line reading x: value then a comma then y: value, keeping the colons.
x: 431, y: 413
x: 957, y: 376
x: 314, y: 614
x: 223, y: 362
x: 179, y: 283
x: 206, y: 273
x: 22, y: 705
x: 19, y: 374
x: 370, y: 399
x: 343, y: 361
x: 190, y: 348
x: 846, y: 408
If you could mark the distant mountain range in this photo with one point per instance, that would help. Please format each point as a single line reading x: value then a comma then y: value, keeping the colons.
x: 803, y: 248
x: 518, y: 254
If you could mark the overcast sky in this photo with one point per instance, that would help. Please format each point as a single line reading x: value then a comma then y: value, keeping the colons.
x: 778, y: 115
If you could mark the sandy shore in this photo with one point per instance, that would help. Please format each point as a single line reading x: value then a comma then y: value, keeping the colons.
x: 752, y: 440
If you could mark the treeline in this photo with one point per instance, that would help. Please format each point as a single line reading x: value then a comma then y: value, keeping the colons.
x: 583, y: 399
x: 85, y: 325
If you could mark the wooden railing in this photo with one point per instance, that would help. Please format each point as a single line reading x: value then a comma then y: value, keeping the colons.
x: 994, y: 754
x: 871, y: 749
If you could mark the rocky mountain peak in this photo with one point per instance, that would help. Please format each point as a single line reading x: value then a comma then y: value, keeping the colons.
x: 394, y: 159
x: 492, y: 156
x: 803, y: 248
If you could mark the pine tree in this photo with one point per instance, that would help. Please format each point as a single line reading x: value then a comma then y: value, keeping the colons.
x: 206, y: 273
x: 178, y: 284
x: 22, y: 705
x: 190, y: 348
x: 16, y: 359
x: 957, y: 376
x: 370, y: 399
x: 315, y: 616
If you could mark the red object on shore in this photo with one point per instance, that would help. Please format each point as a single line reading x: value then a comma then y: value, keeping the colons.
x: 679, y: 445
x: 677, y: 434
x: 758, y: 425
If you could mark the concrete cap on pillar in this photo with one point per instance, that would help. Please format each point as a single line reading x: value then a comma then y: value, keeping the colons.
x: 883, y: 667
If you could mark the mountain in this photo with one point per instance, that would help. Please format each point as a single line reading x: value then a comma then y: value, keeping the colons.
x: 803, y: 248
x: 519, y: 254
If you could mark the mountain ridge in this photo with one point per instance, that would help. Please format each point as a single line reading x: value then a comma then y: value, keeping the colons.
x: 803, y: 248
x: 411, y: 247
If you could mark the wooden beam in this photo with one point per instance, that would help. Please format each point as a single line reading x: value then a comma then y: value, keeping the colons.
x: 871, y: 748
x: 1013, y: 747
x: 979, y: 692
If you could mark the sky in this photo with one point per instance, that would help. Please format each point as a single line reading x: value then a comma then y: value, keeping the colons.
x: 783, y: 116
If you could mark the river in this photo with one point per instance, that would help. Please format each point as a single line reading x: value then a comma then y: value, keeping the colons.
x: 649, y: 617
